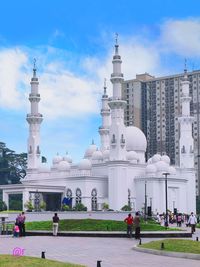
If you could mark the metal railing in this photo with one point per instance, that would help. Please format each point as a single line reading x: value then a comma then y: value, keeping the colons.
x: 6, y: 227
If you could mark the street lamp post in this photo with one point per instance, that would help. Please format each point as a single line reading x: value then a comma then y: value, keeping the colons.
x: 145, y: 200
x: 166, y: 219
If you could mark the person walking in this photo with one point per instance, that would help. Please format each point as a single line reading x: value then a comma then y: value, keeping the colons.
x: 22, y: 219
x: 192, y: 222
x: 179, y: 220
x: 136, y: 222
x: 129, y: 221
x: 55, y: 224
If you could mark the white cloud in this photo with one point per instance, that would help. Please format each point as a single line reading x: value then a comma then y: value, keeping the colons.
x: 65, y: 94
x: 136, y: 58
x: 12, y: 78
x: 181, y: 37
x: 69, y: 91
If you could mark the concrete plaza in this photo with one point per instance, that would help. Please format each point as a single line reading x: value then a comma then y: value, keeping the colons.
x: 86, y: 251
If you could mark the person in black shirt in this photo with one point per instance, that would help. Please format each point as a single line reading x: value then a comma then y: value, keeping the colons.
x: 55, y: 224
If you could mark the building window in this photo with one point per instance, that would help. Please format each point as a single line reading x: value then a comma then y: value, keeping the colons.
x: 78, y: 196
x: 69, y: 193
x: 94, y: 199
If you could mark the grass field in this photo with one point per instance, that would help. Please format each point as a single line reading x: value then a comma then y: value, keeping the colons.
x: 13, y: 261
x: 175, y: 245
x: 92, y: 225
x: 11, y: 211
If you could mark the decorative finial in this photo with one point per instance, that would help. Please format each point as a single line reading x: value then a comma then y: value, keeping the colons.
x: 185, y: 67
x: 116, y: 38
x: 105, y: 86
x: 116, y: 43
x: 34, y: 67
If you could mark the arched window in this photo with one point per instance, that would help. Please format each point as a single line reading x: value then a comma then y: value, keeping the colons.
x: 69, y: 193
x: 78, y: 196
x: 69, y: 197
x: 94, y: 199
x: 129, y: 197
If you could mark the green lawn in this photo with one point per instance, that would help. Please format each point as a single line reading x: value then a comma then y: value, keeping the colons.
x: 11, y: 211
x: 175, y: 245
x: 13, y: 261
x: 92, y: 225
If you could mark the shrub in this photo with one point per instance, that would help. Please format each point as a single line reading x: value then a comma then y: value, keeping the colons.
x: 29, y: 206
x: 126, y: 208
x: 42, y: 205
x: 65, y: 207
x: 80, y: 207
x: 105, y: 206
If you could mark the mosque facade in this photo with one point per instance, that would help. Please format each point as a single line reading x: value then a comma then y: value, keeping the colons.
x: 117, y: 172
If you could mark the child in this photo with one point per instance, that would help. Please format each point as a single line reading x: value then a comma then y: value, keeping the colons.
x: 16, y: 230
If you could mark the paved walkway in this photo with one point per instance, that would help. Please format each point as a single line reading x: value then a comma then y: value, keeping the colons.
x: 87, y: 250
x: 84, y: 250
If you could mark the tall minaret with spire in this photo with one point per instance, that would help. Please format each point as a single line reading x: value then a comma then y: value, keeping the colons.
x: 105, y: 114
x: 34, y: 119
x: 117, y: 105
x: 186, y: 141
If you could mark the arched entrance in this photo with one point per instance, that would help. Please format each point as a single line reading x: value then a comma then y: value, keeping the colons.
x: 94, y: 199
x: 78, y: 196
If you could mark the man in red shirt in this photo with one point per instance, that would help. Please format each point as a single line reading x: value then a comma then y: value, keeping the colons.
x: 129, y: 221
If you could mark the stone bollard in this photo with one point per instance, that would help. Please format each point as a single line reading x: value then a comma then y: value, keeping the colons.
x: 162, y: 245
x: 197, y: 239
x: 43, y: 255
x: 99, y: 263
x: 140, y: 242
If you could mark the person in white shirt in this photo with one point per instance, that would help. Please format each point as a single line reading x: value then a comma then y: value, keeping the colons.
x: 192, y: 222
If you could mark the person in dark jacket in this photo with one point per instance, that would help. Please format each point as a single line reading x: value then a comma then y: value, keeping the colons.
x: 55, y: 224
x: 136, y: 222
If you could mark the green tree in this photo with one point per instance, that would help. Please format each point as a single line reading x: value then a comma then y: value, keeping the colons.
x: 12, y: 165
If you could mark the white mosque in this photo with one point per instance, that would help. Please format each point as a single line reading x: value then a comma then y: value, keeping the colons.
x: 116, y: 173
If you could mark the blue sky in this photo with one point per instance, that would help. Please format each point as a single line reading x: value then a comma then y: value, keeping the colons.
x: 73, y: 43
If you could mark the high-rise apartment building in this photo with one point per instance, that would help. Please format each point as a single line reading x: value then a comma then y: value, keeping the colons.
x: 153, y: 105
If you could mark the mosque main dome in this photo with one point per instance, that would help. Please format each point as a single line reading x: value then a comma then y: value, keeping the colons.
x: 135, y: 139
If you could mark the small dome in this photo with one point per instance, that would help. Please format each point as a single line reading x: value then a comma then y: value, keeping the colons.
x: 67, y: 158
x: 156, y: 158
x: 151, y: 168
x: 91, y: 149
x: 63, y: 166
x: 57, y: 159
x: 172, y: 170
x: 106, y: 154
x: 44, y: 167
x: 85, y: 164
x: 131, y: 155
x: 97, y: 155
x: 135, y: 139
x: 162, y: 166
x: 166, y: 159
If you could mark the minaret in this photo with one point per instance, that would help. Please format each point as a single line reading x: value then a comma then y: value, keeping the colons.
x: 186, y: 142
x: 105, y: 113
x: 117, y: 105
x: 34, y: 119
